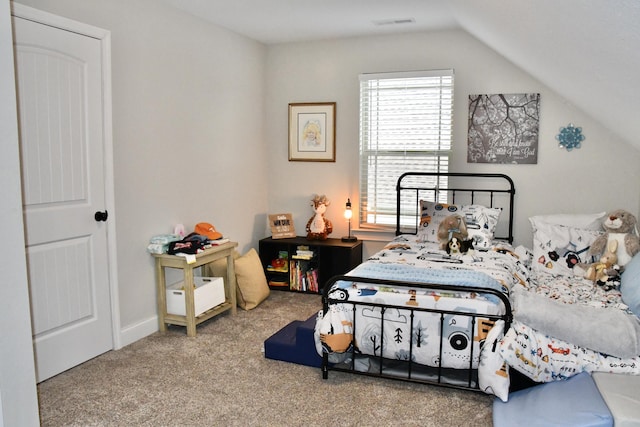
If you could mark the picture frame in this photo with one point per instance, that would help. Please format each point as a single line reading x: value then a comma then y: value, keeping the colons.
x: 312, y: 132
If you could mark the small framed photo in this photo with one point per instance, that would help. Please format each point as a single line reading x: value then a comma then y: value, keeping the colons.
x: 312, y: 132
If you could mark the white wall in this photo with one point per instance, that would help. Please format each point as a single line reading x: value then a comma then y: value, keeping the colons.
x: 18, y: 400
x: 602, y: 175
x: 188, y: 135
x: 200, y: 131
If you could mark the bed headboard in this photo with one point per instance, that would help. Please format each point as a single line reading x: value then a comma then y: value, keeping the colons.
x: 493, y: 190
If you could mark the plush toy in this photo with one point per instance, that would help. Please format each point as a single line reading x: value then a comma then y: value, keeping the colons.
x: 459, y: 247
x: 318, y: 227
x: 450, y: 227
x: 614, y: 278
x: 619, y: 226
x: 606, y: 269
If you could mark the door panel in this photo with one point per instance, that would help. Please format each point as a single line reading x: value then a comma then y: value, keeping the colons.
x: 60, y: 101
x: 59, y: 296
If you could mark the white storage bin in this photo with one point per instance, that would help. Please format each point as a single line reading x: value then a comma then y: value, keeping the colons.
x: 208, y: 293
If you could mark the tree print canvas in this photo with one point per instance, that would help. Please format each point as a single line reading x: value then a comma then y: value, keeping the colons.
x: 503, y: 128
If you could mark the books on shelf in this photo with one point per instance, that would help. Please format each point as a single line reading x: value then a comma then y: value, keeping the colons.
x: 302, y: 277
x: 294, y: 269
x: 278, y: 283
x: 303, y: 252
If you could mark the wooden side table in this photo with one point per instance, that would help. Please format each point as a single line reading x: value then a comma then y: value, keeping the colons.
x: 207, y: 256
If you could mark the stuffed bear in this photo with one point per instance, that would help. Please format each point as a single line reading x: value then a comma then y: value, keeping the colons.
x: 619, y: 226
x: 451, y: 226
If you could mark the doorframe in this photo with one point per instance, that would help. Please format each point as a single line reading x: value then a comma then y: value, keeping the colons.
x: 104, y: 36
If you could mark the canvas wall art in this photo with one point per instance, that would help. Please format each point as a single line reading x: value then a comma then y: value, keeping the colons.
x: 503, y: 128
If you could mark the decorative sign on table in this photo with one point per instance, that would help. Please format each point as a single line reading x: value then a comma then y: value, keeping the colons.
x: 281, y: 226
x: 503, y: 128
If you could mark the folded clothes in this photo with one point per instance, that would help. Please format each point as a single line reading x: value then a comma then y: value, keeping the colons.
x: 164, y: 239
x: 157, y: 248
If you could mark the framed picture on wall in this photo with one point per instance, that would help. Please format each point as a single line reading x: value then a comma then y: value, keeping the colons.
x: 312, y: 132
x: 503, y: 128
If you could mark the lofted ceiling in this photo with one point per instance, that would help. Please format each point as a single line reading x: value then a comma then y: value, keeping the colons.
x: 587, y: 51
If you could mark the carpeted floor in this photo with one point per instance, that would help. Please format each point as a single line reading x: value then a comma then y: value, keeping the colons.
x: 221, y: 377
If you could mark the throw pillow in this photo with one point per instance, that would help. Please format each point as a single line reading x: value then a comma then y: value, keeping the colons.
x: 252, y: 287
x: 586, y: 221
x: 630, y: 284
x: 557, y: 248
x: 218, y: 268
x: 481, y: 221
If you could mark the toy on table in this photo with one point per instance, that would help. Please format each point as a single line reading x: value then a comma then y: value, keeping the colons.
x: 319, y: 227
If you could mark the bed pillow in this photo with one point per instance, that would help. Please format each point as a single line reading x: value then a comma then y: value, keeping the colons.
x: 558, y: 248
x: 481, y: 221
x: 587, y: 221
x: 630, y: 284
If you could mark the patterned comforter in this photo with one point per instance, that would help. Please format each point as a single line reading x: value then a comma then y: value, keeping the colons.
x: 395, y: 333
x: 592, y: 331
x: 568, y: 326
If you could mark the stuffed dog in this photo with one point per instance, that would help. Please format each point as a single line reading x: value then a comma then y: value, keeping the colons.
x: 450, y: 227
x: 459, y: 247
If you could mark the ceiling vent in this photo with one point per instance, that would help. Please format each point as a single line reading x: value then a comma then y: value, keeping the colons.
x: 395, y: 21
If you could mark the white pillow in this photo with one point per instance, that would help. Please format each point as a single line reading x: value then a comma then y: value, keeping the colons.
x: 587, y: 221
x: 557, y: 248
x: 481, y: 221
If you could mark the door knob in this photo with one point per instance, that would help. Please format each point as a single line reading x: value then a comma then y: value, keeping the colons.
x: 101, y: 216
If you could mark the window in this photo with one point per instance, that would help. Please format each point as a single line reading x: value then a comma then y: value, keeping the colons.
x: 405, y: 125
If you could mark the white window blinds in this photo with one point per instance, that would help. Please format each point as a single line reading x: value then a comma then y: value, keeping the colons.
x: 405, y: 125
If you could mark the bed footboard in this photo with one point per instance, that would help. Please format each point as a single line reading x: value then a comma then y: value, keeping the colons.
x: 448, y: 339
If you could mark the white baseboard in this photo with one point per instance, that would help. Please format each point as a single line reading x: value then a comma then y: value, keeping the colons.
x: 133, y: 333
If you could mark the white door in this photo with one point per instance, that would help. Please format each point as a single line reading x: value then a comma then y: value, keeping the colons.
x: 60, y: 103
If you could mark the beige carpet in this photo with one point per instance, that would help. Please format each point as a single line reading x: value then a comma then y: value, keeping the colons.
x: 221, y: 377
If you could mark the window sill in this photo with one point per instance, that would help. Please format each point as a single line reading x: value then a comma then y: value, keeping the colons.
x: 372, y: 235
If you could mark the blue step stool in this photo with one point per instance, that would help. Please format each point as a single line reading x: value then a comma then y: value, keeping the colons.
x: 294, y: 343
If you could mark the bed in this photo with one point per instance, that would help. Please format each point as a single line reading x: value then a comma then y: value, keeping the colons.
x: 413, y: 312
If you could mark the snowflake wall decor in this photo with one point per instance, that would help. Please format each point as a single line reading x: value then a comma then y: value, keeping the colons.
x: 570, y: 137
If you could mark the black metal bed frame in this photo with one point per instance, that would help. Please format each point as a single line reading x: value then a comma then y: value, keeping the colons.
x: 407, y: 183
x: 407, y: 370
